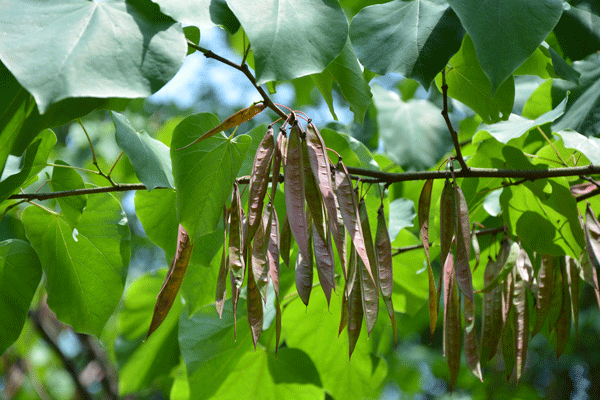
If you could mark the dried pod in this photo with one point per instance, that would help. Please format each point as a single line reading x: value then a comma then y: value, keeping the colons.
x: 259, y: 183
x: 573, y: 279
x: 237, y: 264
x: 255, y: 307
x: 491, y: 323
x: 471, y: 342
x: 424, y: 206
x: 313, y: 195
x: 222, y: 278
x: 520, y: 303
x: 324, y: 262
x: 385, y: 263
x: 304, y: 272
x: 463, y: 244
x: 545, y: 283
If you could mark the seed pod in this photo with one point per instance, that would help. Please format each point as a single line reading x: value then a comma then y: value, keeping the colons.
x: 491, y: 323
x: 314, y: 199
x: 355, y: 314
x: 350, y: 215
x: 370, y: 288
x: 294, y: 191
x: 273, y: 247
x: 222, y: 278
x: 447, y: 223
x: 520, y: 303
x: 475, y: 247
x: 507, y: 258
x: 592, y: 240
x: 286, y: 241
x: 563, y: 324
x: 170, y: 288
x: 237, y: 263
x: 545, y: 281
x: 259, y: 182
x: 573, y: 279
x: 508, y: 347
x: 324, y: 262
x: 385, y: 263
x: 304, y: 272
x: 471, y: 342
x: 277, y: 155
x: 424, y: 206
x: 255, y: 308
x: 463, y: 244
x: 236, y: 119
x: 260, y: 266
x: 452, y: 322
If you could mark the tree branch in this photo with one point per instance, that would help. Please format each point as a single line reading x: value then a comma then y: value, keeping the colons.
x: 124, y: 187
x: 246, y: 71
x: 459, y: 156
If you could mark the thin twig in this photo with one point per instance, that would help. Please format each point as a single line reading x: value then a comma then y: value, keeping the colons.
x: 94, y: 160
x: 459, y: 156
x: 105, y: 189
x: 246, y: 71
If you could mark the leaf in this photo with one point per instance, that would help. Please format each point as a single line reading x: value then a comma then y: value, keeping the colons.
x: 71, y: 53
x: 463, y: 244
x: 521, y: 322
x: 170, y: 288
x: 491, y: 321
x: 141, y: 363
x: 588, y: 146
x: 201, y: 13
x: 302, y: 41
x: 350, y: 215
x: 238, y: 118
x: 424, y: 206
x: 545, y: 283
x: 505, y: 33
x: 66, y: 178
x: 545, y: 219
x: 385, y: 263
x: 413, y: 132
x: 402, y: 214
x: 363, y: 374
x: 149, y: 157
x: 204, y: 173
x: 34, y: 160
x: 21, y: 274
x: 293, y: 171
x: 85, y: 268
x: 517, y: 126
x: 467, y: 82
x: 415, y: 39
x: 192, y: 34
x: 259, y: 182
x: 354, y: 152
x: 157, y: 212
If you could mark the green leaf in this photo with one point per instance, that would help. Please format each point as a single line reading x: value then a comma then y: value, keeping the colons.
x: 543, y: 214
x: 414, y: 38
x: 21, y: 272
x: 348, y: 74
x: 589, y: 147
x: 157, y: 212
x: 352, y: 151
x: 34, y: 160
x: 209, y: 349
x: 358, y: 378
x: 85, y: 267
x: 324, y: 82
x: 290, y: 40
x: 468, y: 84
x: 192, y: 34
x: 155, y: 356
x: 149, y: 157
x: 67, y: 178
x: 204, y: 173
x: 402, y: 215
x: 201, y: 13
x: 63, y: 49
x: 517, y: 126
x: 584, y: 100
x: 414, y: 133
x: 262, y: 375
x: 411, y: 282
x: 506, y: 32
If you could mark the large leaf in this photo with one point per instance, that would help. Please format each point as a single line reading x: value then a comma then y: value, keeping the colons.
x: 155, y: 356
x: 413, y: 132
x: 63, y: 49
x: 516, y: 126
x: 506, y: 32
x: 361, y: 376
x: 544, y: 216
x: 291, y: 39
x: 200, y: 13
x: 589, y: 146
x: 468, y: 84
x: 34, y: 160
x: 402, y: 215
x: 85, y: 267
x: 67, y: 178
x: 204, y: 173
x: 149, y: 157
x: 414, y: 38
x: 21, y: 272
x: 584, y: 99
